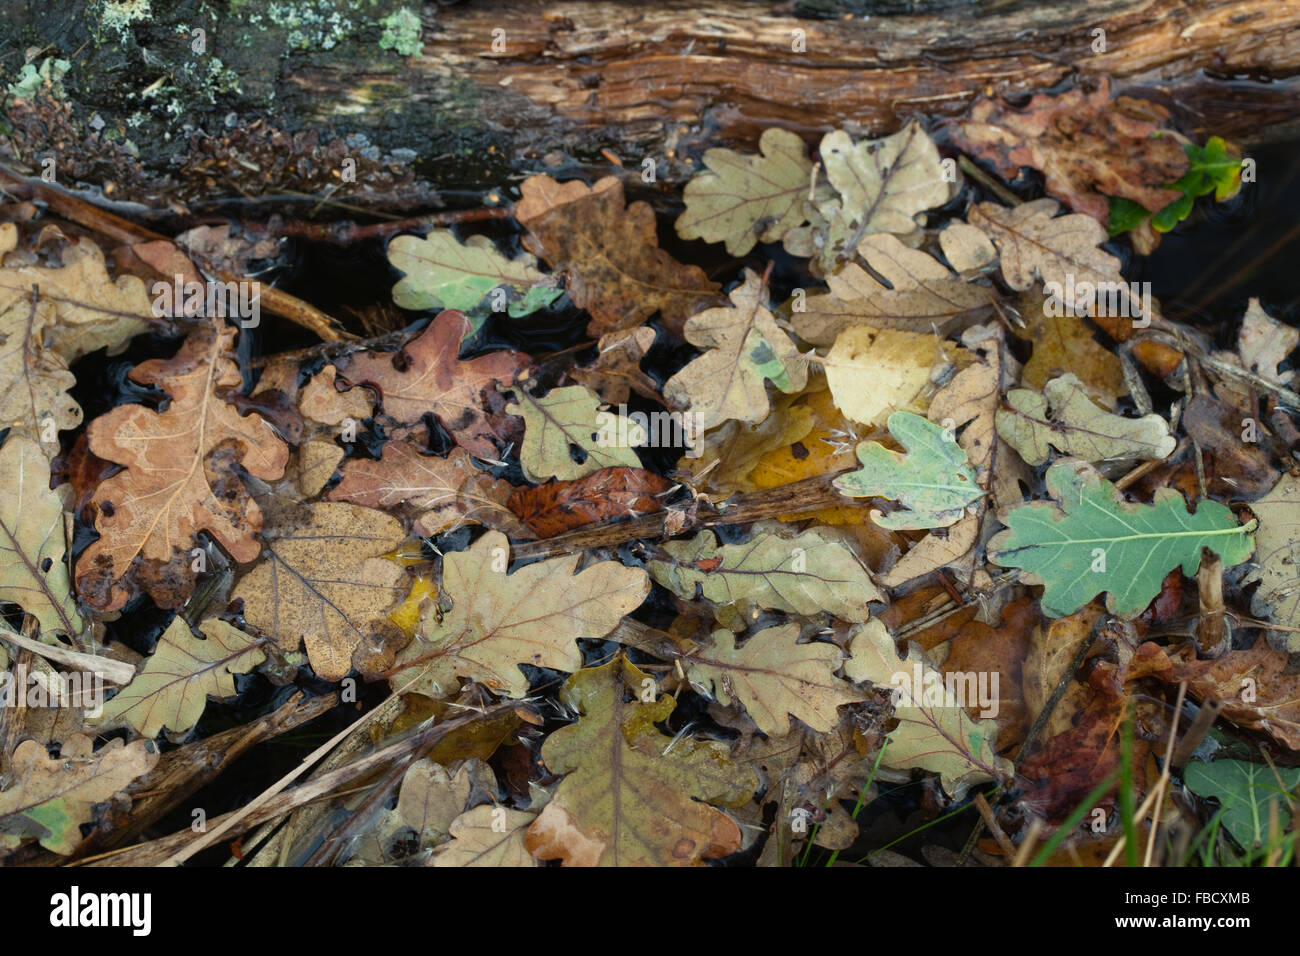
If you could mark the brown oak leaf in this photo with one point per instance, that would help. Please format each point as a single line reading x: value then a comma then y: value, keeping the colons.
x: 180, y: 475
x: 1087, y: 145
x: 428, y: 377
x: 615, y: 268
x: 558, y: 506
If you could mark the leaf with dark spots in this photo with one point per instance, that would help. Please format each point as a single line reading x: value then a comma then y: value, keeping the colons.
x: 608, y: 494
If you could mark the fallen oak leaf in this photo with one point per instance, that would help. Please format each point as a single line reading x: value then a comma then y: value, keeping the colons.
x: 487, y: 836
x: 33, y: 542
x: 154, y: 508
x: 536, y: 615
x: 321, y: 401
x: 873, y: 371
x: 1087, y: 540
x: 51, y: 797
x: 774, y: 677
x: 441, y: 272
x: 745, y: 350
x: 616, y: 371
x: 1248, y: 794
x: 1065, y: 418
x: 172, y: 688
x: 610, y: 254
x: 323, y: 583
x: 632, y: 796
x: 428, y: 377
x: 610, y: 493
x: 34, y: 398
x: 932, y: 481
x: 571, y: 418
x: 447, y: 491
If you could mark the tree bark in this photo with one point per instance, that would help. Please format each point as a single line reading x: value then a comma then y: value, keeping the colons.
x: 500, y: 85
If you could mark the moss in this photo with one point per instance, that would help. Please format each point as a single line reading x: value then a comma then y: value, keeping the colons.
x: 402, y: 33
x: 117, y: 16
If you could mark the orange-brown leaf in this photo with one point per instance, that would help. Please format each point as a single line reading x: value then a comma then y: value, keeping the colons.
x: 557, y: 507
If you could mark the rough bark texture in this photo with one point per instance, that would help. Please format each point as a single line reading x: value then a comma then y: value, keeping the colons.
x: 499, y: 85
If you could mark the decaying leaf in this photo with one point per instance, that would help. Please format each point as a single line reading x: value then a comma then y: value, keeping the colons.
x: 874, y: 371
x: 611, y: 256
x: 746, y: 349
x: 442, y: 272
x: 629, y: 798
x: 774, y: 677
x: 321, y: 401
x: 1247, y: 793
x: 498, y: 621
x: 932, y: 481
x: 92, y: 311
x: 180, y: 475
x: 1062, y: 250
x: 427, y: 377
x: 1086, y: 144
x: 430, y: 799
x: 1277, y: 560
x: 487, y: 836
x: 567, y: 436
x: 882, y: 184
x: 180, y: 675
x: 918, y: 293
x: 51, y: 797
x: 1264, y: 343
x: 1065, y: 418
x: 1087, y: 540
x: 610, y: 493
x: 34, y: 381
x: 447, y: 491
x: 1064, y: 345
x: 33, y: 541
x: 744, y: 199
x: 322, y: 583
x: 616, y: 371
x: 806, y: 574
x: 934, y: 731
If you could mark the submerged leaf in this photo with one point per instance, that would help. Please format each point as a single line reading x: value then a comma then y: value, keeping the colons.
x: 180, y: 675
x: 632, y: 796
x: 806, y: 574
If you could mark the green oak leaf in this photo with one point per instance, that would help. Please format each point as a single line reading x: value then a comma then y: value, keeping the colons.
x: 445, y: 273
x: 1088, y: 540
x: 1244, y: 790
x: 567, y: 418
x: 933, y: 480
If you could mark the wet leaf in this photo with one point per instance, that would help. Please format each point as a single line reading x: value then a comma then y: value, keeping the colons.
x: 615, y: 268
x: 427, y: 377
x: 1064, y: 345
x: 918, y: 293
x: 184, y: 670
x: 323, y: 583
x: 806, y: 574
x: 487, y: 836
x: 33, y: 542
x: 934, y: 731
x: 774, y: 677
x: 181, y: 475
x: 1086, y: 144
x: 1277, y: 560
x: 430, y: 799
x: 932, y: 481
x: 616, y: 371
x: 1264, y: 343
x: 1246, y: 792
x: 498, y: 621
x: 882, y: 184
x: 631, y: 795
x: 874, y: 371
x: 567, y: 436
x: 442, y: 272
x: 92, y: 311
x: 34, y: 381
x: 321, y: 401
x: 1065, y: 418
x: 744, y: 198
x: 610, y: 493
x: 745, y: 350
x: 1087, y: 540
x: 51, y: 797
x: 447, y: 491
